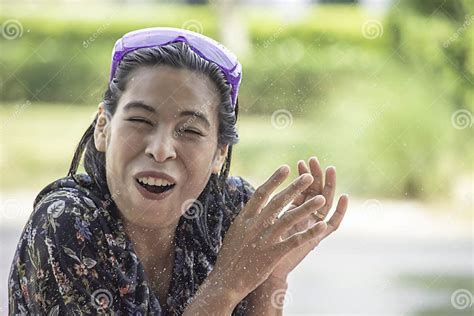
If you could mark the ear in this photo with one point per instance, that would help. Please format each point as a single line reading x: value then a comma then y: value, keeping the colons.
x: 101, y: 129
x: 219, y: 158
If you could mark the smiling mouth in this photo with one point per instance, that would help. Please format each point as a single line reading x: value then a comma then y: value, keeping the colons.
x: 156, y: 188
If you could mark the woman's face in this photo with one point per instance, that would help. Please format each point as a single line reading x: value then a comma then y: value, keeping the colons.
x: 164, y: 131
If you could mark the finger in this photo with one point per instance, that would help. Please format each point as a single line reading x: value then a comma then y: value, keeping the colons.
x: 263, y: 192
x: 317, y: 186
x: 279, y: 201
x: 329, y: 190
x: 336, y: 218
x: 302, y: 169
x: 314, y: 234
x: 300, y: 226
x: 333, y: 223
x: 317, y: 173
x: 296, y: 215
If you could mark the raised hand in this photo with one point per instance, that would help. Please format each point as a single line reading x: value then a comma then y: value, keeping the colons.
x: 252, y: 247
x: 319, y: 187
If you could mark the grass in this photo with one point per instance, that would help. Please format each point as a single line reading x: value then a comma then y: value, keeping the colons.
x: 38, y: 142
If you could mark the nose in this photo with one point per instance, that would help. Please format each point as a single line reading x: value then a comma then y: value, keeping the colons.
x: 160, y: 146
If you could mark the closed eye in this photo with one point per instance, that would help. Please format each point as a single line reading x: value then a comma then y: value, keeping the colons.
x: 193, y: 132
x: 140, y: 120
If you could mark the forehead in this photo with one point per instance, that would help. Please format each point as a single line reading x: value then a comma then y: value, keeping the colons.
x: 172, y: 89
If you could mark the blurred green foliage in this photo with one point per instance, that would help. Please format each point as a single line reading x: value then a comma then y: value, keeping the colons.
x: 64, y: 59
x: 379, y: 109
x: 437, y: 35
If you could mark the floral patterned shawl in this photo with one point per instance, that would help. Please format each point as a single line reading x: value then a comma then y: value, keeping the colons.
x: 75, y: 258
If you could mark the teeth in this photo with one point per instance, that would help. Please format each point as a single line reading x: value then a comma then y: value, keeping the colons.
x: 154, y: 181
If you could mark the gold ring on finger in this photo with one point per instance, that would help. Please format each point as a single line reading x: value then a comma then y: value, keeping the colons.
x: 317, y: 215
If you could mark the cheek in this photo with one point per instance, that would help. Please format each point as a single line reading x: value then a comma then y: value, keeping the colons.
x: 125, y: 142
x: 196, y: 150
x: 122, y: 148
x: 198, y: 165
x: 198, y: 154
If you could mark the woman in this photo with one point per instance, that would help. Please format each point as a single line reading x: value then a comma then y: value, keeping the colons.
x: 142, y: 231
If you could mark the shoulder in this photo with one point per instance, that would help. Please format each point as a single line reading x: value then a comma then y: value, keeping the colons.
x: 74, y: 190
x: 67, y: 216
x: 65, y: 207
x: 64, y: 220
x: 51, y: 247
x: 68, y: 249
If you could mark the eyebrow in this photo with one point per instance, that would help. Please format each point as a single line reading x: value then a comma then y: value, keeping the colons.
x: 140, y: 105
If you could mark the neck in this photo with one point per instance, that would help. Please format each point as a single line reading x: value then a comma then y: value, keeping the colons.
x: 154, y: 246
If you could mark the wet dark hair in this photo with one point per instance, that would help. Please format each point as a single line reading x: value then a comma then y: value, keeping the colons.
x: 178, y: 55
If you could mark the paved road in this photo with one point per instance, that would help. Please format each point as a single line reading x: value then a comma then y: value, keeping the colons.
x: 360, y: 269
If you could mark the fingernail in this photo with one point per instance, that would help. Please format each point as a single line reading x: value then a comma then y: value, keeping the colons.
x: 284, y: 168
x: 319, y: 199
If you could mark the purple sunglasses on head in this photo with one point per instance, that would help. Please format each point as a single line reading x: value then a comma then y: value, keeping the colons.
x: 204, y: 46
